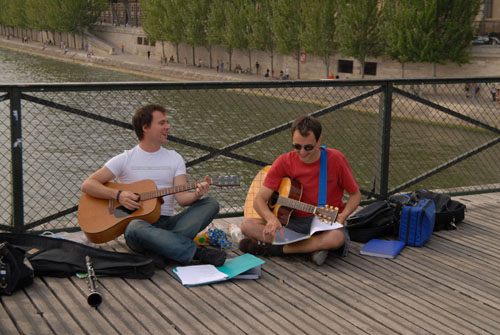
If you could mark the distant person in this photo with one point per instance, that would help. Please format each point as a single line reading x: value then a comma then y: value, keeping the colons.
x: 171, y: 58
x: 330, y: 76
x: 217, y: 65
x: 287, y: 72
x: 123, y: 48
x: 267, y: 73
x: 467, y: 90
x: 257, y: 66
x: 493, y: 93
x: 282, y: 75
x: 238, y: 68
x: 149, y: 54
x: 221, y: 66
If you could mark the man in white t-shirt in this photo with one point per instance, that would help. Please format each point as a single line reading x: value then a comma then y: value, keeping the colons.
x: 172, y: 235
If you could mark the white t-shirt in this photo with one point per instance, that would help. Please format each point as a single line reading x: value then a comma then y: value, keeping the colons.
x: 161, y: 166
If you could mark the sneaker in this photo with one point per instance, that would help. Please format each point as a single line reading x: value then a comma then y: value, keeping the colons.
x: 319, y: 257
x: 254, y: 247
x: 215, y: 257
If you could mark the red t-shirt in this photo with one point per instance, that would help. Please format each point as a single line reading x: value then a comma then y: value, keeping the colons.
x: 339, y: 178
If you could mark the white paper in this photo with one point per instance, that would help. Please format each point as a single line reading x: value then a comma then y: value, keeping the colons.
x: 199, y: 274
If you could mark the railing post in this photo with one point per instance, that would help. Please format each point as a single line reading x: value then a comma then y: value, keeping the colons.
x: 382, y: 149
x: 16, y: 160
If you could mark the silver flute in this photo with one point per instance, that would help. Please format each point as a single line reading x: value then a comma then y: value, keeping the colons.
x: 94, y: 298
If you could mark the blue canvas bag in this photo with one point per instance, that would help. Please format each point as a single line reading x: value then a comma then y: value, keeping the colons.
x: 416, y: 223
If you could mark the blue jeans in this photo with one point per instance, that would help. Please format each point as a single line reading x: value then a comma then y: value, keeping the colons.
x: 172, y: 236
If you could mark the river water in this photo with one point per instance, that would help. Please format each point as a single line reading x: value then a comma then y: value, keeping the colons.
x: 17, y: 67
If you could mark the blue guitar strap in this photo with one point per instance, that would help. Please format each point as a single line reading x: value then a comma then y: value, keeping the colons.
x: 322, y: 178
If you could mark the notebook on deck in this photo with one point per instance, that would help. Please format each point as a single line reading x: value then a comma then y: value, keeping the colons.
x: 382, y: 248
x: 193, y: 275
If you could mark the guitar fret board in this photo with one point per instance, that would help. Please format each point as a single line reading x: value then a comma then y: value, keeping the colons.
x: 167, y: 191
x: 287, y: 202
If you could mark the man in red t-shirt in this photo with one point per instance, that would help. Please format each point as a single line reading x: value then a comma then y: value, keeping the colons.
x: 303, y: 165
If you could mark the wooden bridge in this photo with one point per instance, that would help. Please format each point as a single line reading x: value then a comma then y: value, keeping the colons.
x: 450, y: 286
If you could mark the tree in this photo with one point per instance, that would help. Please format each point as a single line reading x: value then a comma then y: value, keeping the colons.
x: 236, y: 32
x: 286, y: 26
x: 318, y: 35
x: 195, y: 20
x: 216, y: 23
x: 260, y: 36
x: 441, y: 30
x: 163, y: 21
x: 358, y: 32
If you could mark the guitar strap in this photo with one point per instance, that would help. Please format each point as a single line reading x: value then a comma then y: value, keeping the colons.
x: 322, y: 178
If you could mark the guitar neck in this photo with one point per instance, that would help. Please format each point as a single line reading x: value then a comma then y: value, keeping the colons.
x: 167, y: 191
x: 295, y: 204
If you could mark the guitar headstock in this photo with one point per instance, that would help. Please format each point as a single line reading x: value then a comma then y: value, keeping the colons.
x: 225, y: 181
x: 327, y: 214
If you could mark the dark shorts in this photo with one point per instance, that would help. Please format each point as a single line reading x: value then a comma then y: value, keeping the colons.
x: 300, y: 224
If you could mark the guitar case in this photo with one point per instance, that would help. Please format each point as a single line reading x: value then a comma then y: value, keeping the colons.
x: 55, y: 257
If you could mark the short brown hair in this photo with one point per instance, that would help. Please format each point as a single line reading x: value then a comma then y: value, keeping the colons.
x: 304, y: 124
x: 144, y: 116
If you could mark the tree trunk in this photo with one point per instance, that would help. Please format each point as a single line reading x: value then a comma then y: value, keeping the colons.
x: 194, y: 60
x: 249, y: 61
x: 402, y: 69
x: 163, y: 52
x: 210, y: 55
x: 177, y: 52
x: 327, y: 65
x: 298, y: 64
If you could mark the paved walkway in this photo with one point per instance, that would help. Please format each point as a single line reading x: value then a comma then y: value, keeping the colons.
x: 130, y: 63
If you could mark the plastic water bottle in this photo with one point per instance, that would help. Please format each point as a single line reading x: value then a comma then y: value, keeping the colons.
x: 235, y: 232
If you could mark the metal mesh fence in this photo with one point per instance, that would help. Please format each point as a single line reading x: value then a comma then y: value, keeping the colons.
x: 426, y: 134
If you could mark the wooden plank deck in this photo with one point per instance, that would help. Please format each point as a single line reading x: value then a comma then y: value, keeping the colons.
x: 450, y: 286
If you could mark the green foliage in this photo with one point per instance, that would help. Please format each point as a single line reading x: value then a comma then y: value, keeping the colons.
x: 318, y: 35
x: 441, y: 30
x: 260, y: 36
x: 286, y: 25
x: 216, y: 22
x: 359, y: 29
x: 195, y: 17
x: 236, y: 25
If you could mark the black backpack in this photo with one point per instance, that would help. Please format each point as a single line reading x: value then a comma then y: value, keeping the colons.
x: 378, y: 219
x: 448, y: 212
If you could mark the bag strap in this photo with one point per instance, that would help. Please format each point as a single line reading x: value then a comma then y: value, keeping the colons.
x: 322, y: 178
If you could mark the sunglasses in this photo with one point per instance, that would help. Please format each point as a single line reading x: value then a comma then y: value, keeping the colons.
x: 307, y: 147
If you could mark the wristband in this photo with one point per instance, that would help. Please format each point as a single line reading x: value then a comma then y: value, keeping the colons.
x: 118, y: 196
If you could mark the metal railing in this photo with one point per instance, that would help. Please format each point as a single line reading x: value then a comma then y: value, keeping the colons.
x: 398, y: 135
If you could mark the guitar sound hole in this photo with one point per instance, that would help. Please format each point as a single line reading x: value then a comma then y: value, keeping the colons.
x: 121, y: 212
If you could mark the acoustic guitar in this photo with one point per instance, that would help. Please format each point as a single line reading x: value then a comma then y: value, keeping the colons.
x: 285, y: 200
x: 103, y: 220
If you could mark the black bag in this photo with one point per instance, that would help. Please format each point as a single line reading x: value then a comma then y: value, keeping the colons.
x: 15, y: 270
x: 55, y: 257
x: 377, y: 219
x: 448, y: 212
